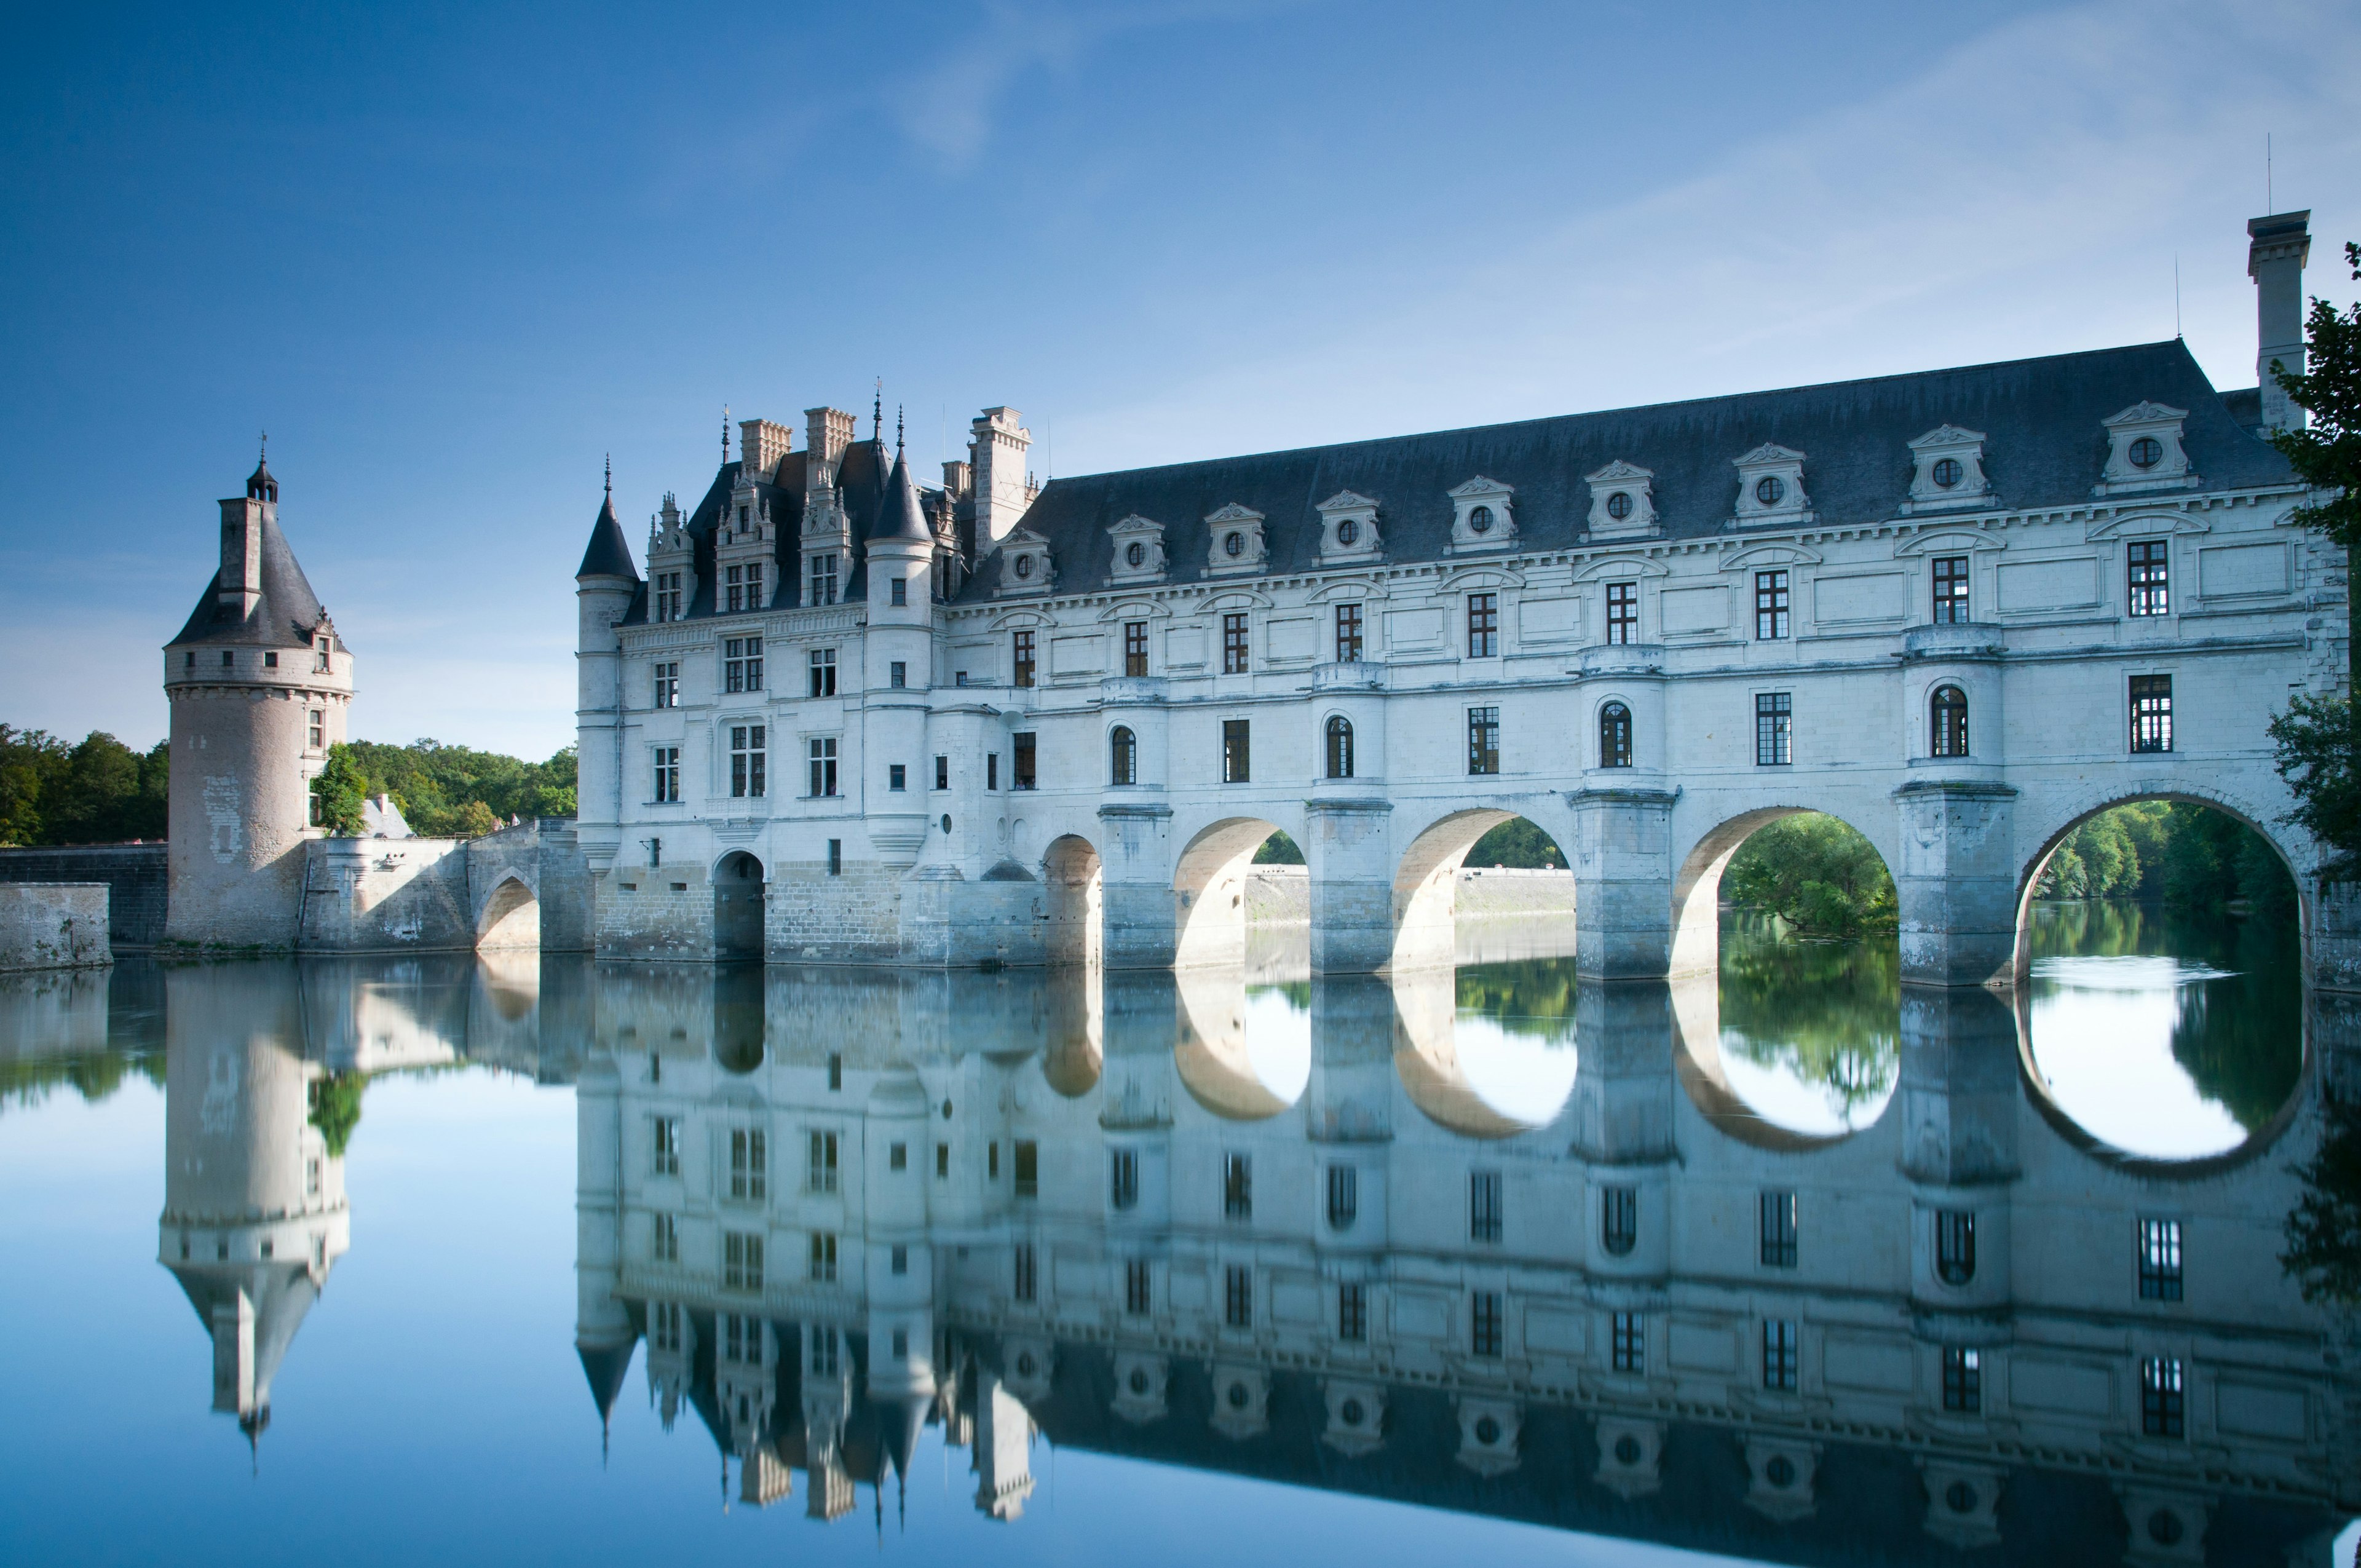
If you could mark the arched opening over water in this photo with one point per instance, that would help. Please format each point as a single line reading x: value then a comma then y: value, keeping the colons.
x: 1075, y: 886
x: 1788, y: 990
x: 512, y: 917
x: 1209, y: 892
x: 1488, y: 1049
x: 2160, y: 978
x: 738, y: 906
x: 1244, y: 1051
x: 1481, y: 885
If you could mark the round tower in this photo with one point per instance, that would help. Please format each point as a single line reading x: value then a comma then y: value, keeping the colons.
x: 260, y: 685
x: 604, y: 587
x: 898, y: 659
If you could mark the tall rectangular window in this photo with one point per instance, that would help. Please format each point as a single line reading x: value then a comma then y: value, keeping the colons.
x: 669, y: 597
x: 822, y: 673
x: 2151, y: 713
x: 1622, y: 612
x: 836, y: 857
x: 823, y: 751
x: 1778, y: 1230
x: 942, y: 773
x: 1025, y: 1283
x: 1234, y: 644
x: 898, y: 777
x: 1238, y: 1187
x: 1769, y: 604
x: 1950, y: 591
x: 1618, y: 1219
x: 1123, y: 1178
x: 1023, y: 775
x: 2162, y: 1403
x: 742, y: 663
x: 734, y: 587
x: 754, y: 584
x: 2148, y: 574
x: 321, y: 662
x: 1963, y: 1379
x: 1774, y: 730
x: 668, y: 779
x: 1483, y: 625
x: 1483, y: 741
x: 666, y: 1146
x: 823, y: 1176
x: 942, y: 1162
x: 2159, y: 1260
x: 992, y: 770
x: 748, y: 760
x: 1779, y: 1354
x: 319, y: 729
x: 1135, y: 647
x: 823, y: 1257
x: 1353, y: 1312
x: 1028, y: 1168
x: 1483, y: 1205
x: 750, y: 1165
x: 667, y: 678
x: 1136, y: 1284
x: 1348, y: 634
x: 663, y: 1240
x: 823, y: 581
x: 1237, y: 1296
x: 1236, y: 761
x: 897, y: 676
x: 1021, y: 663
x: 1344, y: 1196
x: 742, y: 1261
x: 1954, y: 1245
x: 1484, y: 1324
x: 1627, y: 1342
x: 898, y: 591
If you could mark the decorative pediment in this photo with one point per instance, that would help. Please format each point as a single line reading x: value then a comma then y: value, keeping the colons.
x: 1488, y: 1430
x: 1482, y: 515
x: 1759, y: 555
x: 1348, y: 528
x: 1235, y: 544
x: 1622, y: 500
x: 1770, y: 487
x: 2144, y: 451
x: 1138, y: 551
x: 1357, y: 1416
x: 1947, y: 470
x: 1241, y: 1401
x: 1950, y: 542
x: 1024, y: 565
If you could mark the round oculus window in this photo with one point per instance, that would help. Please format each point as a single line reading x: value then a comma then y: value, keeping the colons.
x: 1024, y: 567
x: 1138, y: 1381
x: 1237, y: 1396
x: 1961, y: 1498
x: 1233, y: 544
x: 1481, y: 520
x: 1627, y: 1450
x: 2147, y: 451
x: 1619, y: 505
x: 1347, y: 531
x: 1351, y: 1413
x: 1026, y: 1364
x: 1769, y: 489
x: 1947, y: 472
x: 1134, y: 553
x: 1780, y: 1472
x: 947, y: 821
x: 1488, y: 1431
x: 2164, y: 1528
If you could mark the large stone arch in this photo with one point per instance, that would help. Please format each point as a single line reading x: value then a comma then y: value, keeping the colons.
x: 1209, y: 890
x: 1075, y: 879
x: 738, y: 878
x: 1696, y: 880
x: 510, y: 916
x: 1426, y: 878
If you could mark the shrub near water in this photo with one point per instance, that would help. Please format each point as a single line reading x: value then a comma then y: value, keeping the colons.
x: 1815, y: 874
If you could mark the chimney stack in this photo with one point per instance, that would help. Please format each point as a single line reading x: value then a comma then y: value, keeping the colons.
x: 997, y: 442
x: 828, y: 432
x: 761, y: 444
x: 2278, y: 248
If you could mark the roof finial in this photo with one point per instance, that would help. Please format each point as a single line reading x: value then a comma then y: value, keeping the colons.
x: 897, y: 433
x: 878, y: 413
x: 725, y: 434
x: 611, y: 476
x: 264, y: 456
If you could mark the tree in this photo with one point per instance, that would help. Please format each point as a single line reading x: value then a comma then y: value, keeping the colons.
x: 1815, y: 872
x: 338, y: 792
x: 2324, y: 1229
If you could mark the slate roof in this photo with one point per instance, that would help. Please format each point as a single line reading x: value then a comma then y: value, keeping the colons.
x: 2044, y: 446
x: 898, y: 513
x: 609, y: 554
x: 282, y: 619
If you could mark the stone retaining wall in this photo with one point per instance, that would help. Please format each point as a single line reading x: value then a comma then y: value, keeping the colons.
x: 53, y: 926
x: 1278, y: 895
x: 136, y: 877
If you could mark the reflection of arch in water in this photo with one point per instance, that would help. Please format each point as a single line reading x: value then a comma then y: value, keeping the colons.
x: 1469, y: 1074
x: 738, y: 906
x: 1697, y: 1062
x: 511, y: 919
x: 1426, y: 883
x: 1209, y: 887
x: 1697, y: 887
x: 1076, y: 887
x: 1077, y: 1049
x: 1243, y: 1055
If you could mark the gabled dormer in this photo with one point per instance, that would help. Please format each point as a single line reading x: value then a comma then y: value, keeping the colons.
x: 672, y: 564
x: 1234, y: 544
x: 1770, y: 489
x: 1483, y: 516
x: 1138, y: 551
x: 1348, y: 530
x: 2143, y: 452
x: 1948, y: 471
x: 1025, y: 568
x: 1622, y: 501
x: 746, y: 549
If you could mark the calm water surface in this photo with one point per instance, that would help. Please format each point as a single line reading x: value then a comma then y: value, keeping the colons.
x: 573, y: 1262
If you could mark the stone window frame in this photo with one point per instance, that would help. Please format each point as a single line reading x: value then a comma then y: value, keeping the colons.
x: 1496, y: 497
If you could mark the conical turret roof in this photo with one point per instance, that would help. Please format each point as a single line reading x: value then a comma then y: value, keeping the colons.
x: 609, y: 555
x: 900, y: 517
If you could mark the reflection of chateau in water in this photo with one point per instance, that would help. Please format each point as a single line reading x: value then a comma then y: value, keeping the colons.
x: 839, y: 1206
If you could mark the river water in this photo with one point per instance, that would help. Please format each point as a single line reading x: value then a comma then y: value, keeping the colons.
x: 544, y: 1260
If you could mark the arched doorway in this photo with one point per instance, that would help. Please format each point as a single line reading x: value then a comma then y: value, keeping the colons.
x: 1532, y: 889
x: 512, y: 918
x: 1075, y: 894
x: 738, y: 902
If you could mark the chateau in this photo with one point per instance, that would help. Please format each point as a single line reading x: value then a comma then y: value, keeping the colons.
x: 844, y: 715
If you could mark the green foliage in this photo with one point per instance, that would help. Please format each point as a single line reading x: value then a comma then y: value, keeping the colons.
x: 2321, y: 765
x: 337, y: 1107
x: 27, y: 1082
x: 1525, y: 996
x: 2175, y: 853
x: 2324, y: 1229
x: 2327, y: 452
x: 1517, y: 844
x: 337, y: 793
x: 1815, y: 872
x: 1832, y: 1010
x: 453, y: 792
x: 99, y: 791
x: 1278, y: 850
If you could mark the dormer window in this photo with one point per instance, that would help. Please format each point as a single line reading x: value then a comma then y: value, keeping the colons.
x: 1482, y: 517
x: 270, y: 661
x: 319, y: 652
x: 1947, y: 470
x: 667, y: 596
x: 1622, y: 500
x: 1480, y: 520
x: 1238, y: 543
x: 1770, y: 487
x: 1024, y: 565
x: 1619, y: 506
x: 1349, y: 533
x: 1233, y: 544
x: 1769, y: 491
x: 2144, y: 451
x: 1135, y: 554
x: 1348, y: 528
x: 1946, y: 473
x: 1138, y: 550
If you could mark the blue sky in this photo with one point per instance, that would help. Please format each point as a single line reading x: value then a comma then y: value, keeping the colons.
x: 452, y: 255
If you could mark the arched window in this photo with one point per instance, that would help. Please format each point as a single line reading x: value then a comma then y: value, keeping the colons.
x: 1124, y: 756
x: 1947, y: 722
x: 1340, y: 747
x: 1615, y: 736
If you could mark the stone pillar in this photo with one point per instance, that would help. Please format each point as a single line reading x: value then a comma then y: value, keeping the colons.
x: 1135, y: 913
x: 1623, y: 1095
x: 1960, y: 1108
x: 2332, y: 937
x: 1622, y: 883
x: 1957, y: 881
x: 1349, y: 855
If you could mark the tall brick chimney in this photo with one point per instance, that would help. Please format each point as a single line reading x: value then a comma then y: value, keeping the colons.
x: 2277, y: 248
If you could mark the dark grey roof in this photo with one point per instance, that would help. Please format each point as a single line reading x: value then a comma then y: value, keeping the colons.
x: 610, y: 554
x: 605, y: 1366
x: 284, y: 618
x: 2044, y: 446
x: 898, y: 514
